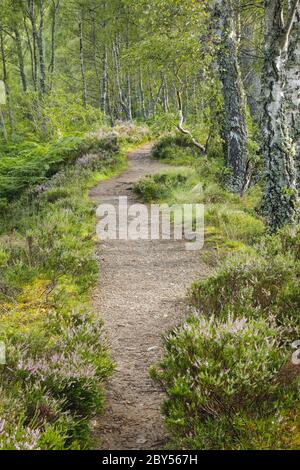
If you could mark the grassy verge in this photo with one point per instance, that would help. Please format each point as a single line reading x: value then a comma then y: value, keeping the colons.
x: 56, y: 362
x: 226, y: 369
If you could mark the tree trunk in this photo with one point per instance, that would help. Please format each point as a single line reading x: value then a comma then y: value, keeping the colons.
x: 81, y: 56
x: 128, y: 98
x: 2, y: 125
x: 31, y: 12
x: 293, y: 91
x: 7, y: 89
x: 104, y: 81
x: 251, y: 76
x: 118, y: 78
x: 142, y: 96
x: 234, y: 127
x: 20, y: 59
x: 40, y: 40
x: 280, y: 197
x: 54, y: 9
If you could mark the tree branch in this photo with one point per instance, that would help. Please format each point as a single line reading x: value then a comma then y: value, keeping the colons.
x: 290, y: 22
x: 185, y: 131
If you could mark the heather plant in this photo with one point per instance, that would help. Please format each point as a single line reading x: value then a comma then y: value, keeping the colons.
x: 227, y: 370
x: 56, y: 361
x: 220, y: 377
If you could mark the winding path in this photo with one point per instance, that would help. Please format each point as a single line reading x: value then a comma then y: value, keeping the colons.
x: 140, y: 296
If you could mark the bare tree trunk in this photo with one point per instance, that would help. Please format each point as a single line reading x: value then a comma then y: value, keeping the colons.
x: 142, y: 96
x: 40, y: 40
x: 3, y: 127
x: 81, y: 56
x: 165, y: 95
x: 20, y: 59
x: 234, y: 128
x: 280, y: 197
x: 7, y: 89
x: 104, y: 81
x: 251, y: 76
x: 128, y: 98
x: 54, y: 9
x: 30, y: 50
x: 31, y: 12
x: 118, y: 78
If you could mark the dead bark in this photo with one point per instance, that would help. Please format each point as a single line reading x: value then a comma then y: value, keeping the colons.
x: 186, y: 131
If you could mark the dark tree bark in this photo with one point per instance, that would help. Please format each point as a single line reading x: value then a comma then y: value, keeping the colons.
x: 54, y: 9
x: 234, y: 128
x: 31, y: 14
x: 81, y: 57
x: 40, y: 41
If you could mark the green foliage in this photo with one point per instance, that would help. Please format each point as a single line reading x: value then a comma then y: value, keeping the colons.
x: 220, y: 384
x: 172, y: 148
x: 221, y: 369
x: 253, y: 286
x: 27, y: 164
x: 51, y: 385
x: 159, y: 187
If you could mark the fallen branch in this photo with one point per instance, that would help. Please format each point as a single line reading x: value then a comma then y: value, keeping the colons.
x: 186, y: 131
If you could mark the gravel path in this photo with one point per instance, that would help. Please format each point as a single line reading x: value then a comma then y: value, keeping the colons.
x: 140, y: 296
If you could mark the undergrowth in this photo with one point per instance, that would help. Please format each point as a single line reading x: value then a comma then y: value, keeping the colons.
x: 227, y: 369
x: 56, y: 360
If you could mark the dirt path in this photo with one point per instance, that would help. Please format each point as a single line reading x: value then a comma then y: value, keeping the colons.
x: 141, y: 295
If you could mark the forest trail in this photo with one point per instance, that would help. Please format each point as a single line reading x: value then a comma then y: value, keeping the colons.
x: 140, y: 296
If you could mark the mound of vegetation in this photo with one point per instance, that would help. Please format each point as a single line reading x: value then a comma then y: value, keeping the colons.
x: 51, y: 384
x: 24, y: 165
x: 227, y: 370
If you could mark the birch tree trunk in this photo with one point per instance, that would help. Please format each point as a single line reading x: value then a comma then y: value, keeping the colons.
x: 31, y: 13
x: 251, y: 76
x: 142, y: 96
x: 234, y: 128
x: 280, y: 197
x: 104, y: 81
x: 81, y: 57
x: 293, y: 90
x: 7, y: 89
x: 17, y: 38
x: 40, y: 40
x: 54, y: 9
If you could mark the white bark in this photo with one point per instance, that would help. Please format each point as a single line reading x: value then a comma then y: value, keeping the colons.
x: 280, y: 199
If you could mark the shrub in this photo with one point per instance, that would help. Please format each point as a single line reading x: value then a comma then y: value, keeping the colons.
x: 51, y: 385
x: 219, y: 376
x: 160, y: 186
x: 28, y: 164
x: 170, y: 146
x: 253, y: 286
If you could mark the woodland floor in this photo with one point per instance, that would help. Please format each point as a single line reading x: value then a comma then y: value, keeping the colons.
x: 140, y: 296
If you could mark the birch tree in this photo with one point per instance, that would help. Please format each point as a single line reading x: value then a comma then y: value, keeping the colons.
x: 234, y: 128
x: 281, y: 196
x: 293, y: 90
